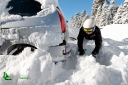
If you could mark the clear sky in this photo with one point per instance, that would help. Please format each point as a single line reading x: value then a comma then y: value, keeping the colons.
x: 70, y: 7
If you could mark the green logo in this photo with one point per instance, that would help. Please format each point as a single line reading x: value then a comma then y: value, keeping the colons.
x: 6, y: 77
x: 24, y: 77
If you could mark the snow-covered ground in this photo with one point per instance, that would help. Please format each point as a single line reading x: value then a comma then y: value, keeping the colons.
x: 37, y: 68
x: 111, y: 67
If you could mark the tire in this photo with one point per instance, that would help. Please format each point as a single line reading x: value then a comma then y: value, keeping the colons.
x: 15, y: 49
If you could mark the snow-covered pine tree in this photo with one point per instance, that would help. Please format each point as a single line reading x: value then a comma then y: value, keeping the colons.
x: 104, y: 14
x: 75, y: 21
x: 97, y: 20
x: 112, y: 11
x: 78, y: 20
x: 121, y: 16
x: 96, y: 4
x: 124, y: 18
x: 118, y: 15
x: 71, y: 23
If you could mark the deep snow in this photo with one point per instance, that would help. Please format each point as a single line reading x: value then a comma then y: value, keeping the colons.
x: 111, y: 67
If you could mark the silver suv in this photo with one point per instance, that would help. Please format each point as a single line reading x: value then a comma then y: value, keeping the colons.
x: 33, y: 18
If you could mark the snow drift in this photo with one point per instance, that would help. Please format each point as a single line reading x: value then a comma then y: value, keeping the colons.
x: 109, y: 69
x: 37, y: 68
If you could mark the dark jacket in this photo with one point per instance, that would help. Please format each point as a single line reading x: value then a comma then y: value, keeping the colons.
x: 96, y: 36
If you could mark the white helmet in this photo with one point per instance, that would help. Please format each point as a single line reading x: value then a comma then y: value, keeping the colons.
x: 89, y: 23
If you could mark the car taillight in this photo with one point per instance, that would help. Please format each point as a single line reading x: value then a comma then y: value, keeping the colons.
x: 62, y: 21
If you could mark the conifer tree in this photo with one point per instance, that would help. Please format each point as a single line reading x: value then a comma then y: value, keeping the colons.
x: 104, y: 14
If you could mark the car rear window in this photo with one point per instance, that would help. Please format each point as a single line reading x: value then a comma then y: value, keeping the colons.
x: 24, y: 7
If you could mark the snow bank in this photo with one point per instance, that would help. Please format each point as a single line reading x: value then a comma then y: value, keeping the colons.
x: 116, y: 32
x: 111, y: 68
x: 8, y: 18
x: 30, y: 65
x: 73, y: 32
x: 40, y: 70
x: 48, y: 7
x: 91, y: 73
x: 37, y: 68
x: 44, y: 40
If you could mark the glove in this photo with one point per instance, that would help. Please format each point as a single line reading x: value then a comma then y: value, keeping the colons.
x: 81, y: 52
x: 94, y: 54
